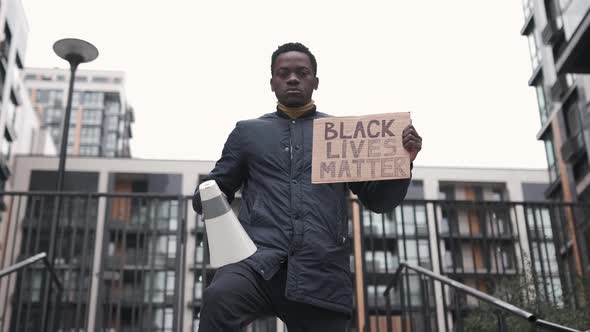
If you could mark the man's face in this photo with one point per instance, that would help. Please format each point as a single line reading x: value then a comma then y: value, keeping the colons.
x: 293, y: 79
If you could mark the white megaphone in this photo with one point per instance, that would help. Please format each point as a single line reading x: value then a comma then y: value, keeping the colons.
x: 228, y: 241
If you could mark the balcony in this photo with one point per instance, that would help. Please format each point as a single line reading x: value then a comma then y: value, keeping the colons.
x: 575, y: 58
x: 573, y: 148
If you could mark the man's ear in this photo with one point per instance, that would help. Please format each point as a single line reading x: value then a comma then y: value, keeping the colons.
x: 271, y: 88
x: 316, y: 83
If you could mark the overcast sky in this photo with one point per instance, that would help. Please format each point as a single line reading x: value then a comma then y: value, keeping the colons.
x: 194, y: 68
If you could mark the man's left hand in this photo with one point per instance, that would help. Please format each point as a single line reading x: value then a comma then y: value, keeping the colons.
x: 412, y: 141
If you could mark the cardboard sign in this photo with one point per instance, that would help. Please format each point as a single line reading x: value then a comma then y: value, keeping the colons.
x: 360, y: 148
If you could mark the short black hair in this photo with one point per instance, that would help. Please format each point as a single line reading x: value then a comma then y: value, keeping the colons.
x: 297, y: 47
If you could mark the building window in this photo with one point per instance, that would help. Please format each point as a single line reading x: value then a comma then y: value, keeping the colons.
x: 81, y: 79
x: 42, y: 96
x: 10, y: 113
x: 527, y: 8
x: 2, y: 79
x: 5, y: 48
x: 553, y: 12
x: 163, y: 286
x: 93, y: 99
x: 52, y: 98
x: 534, y: 50
x: 100, y: 79
x: 90, y: 135
x: 76, y: 99
x: 112, y: 108
x: 112, y: 122
x: 5, y: 146
x: 542, y: 102
x: 163, y: 319
x: 573, y: 121
x: 92, y: 117
x: 110, y: 141
x: 88, y: 150
x: 581, y: 168
x: 551, y: 161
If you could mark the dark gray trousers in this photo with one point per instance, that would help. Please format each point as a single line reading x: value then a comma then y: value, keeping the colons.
x: 238, y: 295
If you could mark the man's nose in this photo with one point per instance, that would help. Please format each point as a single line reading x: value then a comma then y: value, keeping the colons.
x: 292, y: 79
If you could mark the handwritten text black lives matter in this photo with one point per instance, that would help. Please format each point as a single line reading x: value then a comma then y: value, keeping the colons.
x: 348, y: 149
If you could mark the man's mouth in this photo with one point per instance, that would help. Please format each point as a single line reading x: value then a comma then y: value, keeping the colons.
x: 293, y: 91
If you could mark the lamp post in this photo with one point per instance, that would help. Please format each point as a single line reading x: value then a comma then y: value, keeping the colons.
x: 74, y: 51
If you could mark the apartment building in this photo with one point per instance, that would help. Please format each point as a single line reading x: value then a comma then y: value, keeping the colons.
x: 558, y: 33
x: 101, y: 119
x: 137, y: 256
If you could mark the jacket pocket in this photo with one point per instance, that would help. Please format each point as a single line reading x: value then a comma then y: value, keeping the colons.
x: 258, y: 211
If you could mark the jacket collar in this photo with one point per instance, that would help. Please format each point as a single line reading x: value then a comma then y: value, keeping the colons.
x: 310, y: 114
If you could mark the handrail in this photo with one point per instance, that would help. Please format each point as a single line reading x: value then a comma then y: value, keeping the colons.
x: 30, y: 261
x: 478, y: 294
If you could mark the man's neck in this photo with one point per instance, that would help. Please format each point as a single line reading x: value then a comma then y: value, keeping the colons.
x: 296, y: 112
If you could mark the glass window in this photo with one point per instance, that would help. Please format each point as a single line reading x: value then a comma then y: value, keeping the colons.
x: 92, y: 117
x: 100, y: 79
x: 93, y: 99
x: 527, y: 8
x: 112, y: 123
x: 542, y: 101
x: 163, y: 319
x: 160, y: 286
x: 36, y: 278
x: 90, y: 135
x: 533, y: 50
x: 110, y: 141
x: 10, y: 113
x: 42, y: 96
x: 5, y: 49
x: 415, y: 252
x: 76, y: 99
x: 551, y: 162
x: 88, y: 150
x: 405, y: 220
x: 5, y: 147
x: 112, y: 107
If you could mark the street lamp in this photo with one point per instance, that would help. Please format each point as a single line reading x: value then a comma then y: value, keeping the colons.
x: 75, y: 51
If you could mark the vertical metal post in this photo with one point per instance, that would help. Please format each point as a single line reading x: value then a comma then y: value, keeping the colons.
x: 59, y: 188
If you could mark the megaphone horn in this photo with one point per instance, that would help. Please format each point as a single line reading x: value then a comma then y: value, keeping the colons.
x: 228, y: 241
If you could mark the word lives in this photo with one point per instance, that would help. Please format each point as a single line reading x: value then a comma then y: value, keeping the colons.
x: 364, y: 148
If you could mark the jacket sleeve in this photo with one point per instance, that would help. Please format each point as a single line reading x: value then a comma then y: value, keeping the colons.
x: 381, y: 196
x: 229, y: 171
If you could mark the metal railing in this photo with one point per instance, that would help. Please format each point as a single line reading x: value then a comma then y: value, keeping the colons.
x: 24, y: 264
x: 484, y: 244
x: 127, y: 260
x: 397, y: 279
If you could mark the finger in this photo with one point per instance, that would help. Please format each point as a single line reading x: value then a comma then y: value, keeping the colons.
x: 410, y: 132
x: 413, y: 145
x: 412, y: 137
x: 409, y: 128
